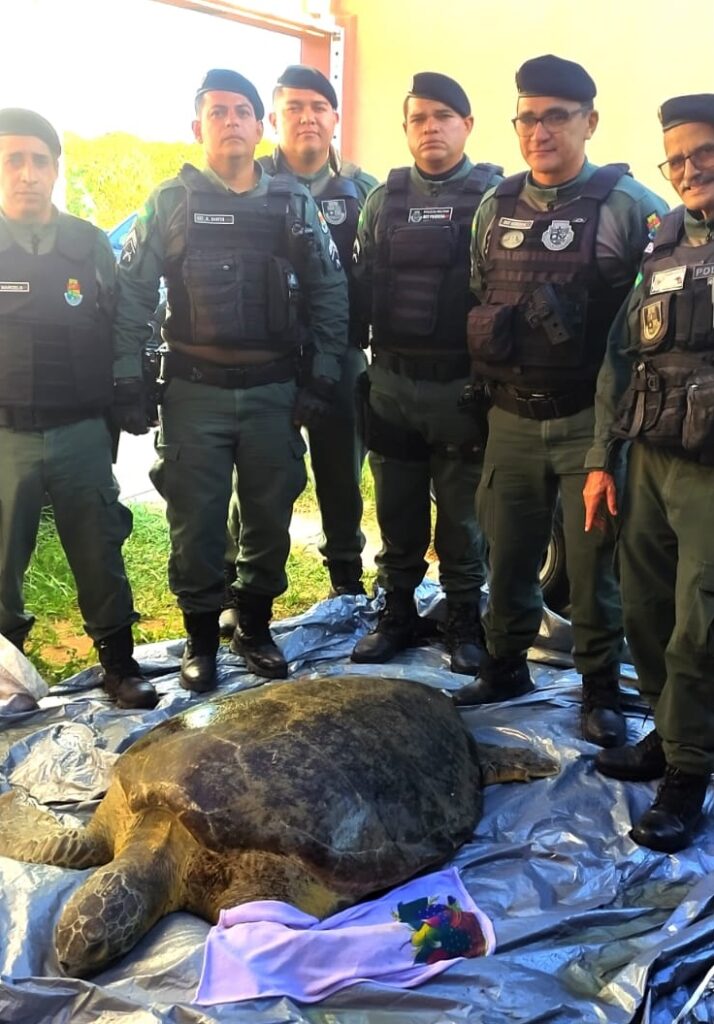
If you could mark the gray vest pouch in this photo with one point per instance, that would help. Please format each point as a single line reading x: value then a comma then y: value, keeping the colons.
x: 421, y: 255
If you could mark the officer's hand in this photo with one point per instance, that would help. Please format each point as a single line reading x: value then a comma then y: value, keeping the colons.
x: 313, y: 402
x: 599, y: 487
x: 128, y: 411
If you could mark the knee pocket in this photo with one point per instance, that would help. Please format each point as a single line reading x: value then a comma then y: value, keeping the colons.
x: 700, y: 620
x: 484, y: 499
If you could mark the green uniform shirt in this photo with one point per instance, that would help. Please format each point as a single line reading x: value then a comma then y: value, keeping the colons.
x: 368, y: 228
x: 317, y: 182
x: 616, y: 369
x: 40, y: 239
x: 622, y: 233
x: 142, y: 264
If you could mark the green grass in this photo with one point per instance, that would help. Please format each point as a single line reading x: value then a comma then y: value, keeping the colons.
x: 58, y: 646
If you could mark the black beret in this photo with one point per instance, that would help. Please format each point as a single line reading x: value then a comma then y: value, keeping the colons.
x: 430, y: 85
x: 302, y: 76
x: 16, y: 121
x: 698, y: 108
x: 220, y: 80
x: 553, y: 76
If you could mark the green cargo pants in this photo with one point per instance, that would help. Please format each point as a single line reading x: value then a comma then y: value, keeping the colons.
x: 666, y: 553
x: 527, y: 463
x: 73, y: 465
x: 336, y: 457
x: 204, y: 433
x: 451, y: 463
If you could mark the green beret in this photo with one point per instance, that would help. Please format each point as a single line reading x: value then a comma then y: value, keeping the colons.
x: 17, y: 121
x: 301, y: 76
x: 220, y: 80
x: 553, y: 76
x: 430, y: 85
x: 698, y: 108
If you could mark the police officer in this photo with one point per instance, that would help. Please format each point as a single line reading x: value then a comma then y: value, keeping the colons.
x: 663, y: 343
x: 245, y: 257
x: 304, y: 117
x: 554, y: 253
x: 412, y: 267
x: 57, y: 293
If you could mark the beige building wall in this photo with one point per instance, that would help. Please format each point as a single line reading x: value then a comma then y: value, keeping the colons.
x: 638, y: 51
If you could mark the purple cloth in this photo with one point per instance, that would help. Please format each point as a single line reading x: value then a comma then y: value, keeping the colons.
x: 269, y: 948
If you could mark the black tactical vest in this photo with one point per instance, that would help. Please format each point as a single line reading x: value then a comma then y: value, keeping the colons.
x: 420, y: 283
x: 339, y: 204
x: 235, y: 284
x: 547, y: 310
x: 670, y: 400
x: 55, y: 342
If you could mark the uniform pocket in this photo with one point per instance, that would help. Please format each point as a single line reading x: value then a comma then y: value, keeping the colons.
x: 698, y: 427
x: 700, y: 627
x: 485, y: 500
x: 490, y: 333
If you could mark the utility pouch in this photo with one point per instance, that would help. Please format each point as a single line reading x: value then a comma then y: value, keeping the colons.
x: 424, y: 245
x: 698, y: 426
x: 283, y: 296
x: 489, y: 332
x: 419, y: 257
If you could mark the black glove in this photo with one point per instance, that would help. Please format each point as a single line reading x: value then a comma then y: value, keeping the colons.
x: 129, y: 409
x: 313, y: 402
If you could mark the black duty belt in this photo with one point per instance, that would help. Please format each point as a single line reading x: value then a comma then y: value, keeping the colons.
x: 542, y: 405
x: 43, y: 419
x: 198, y: 371
x: 440, y: 369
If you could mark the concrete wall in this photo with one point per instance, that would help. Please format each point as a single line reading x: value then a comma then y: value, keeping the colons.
x: 638, y: 51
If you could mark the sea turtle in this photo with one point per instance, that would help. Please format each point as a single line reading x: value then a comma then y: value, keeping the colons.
x: 317, y: 792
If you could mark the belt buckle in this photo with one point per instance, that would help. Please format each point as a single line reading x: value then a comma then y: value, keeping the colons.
x: 237, y: 376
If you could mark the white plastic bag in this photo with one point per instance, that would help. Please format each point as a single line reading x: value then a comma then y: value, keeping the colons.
x: 21, y: 685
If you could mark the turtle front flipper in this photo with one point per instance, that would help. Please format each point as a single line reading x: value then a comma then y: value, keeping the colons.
x: 217, y: 882
x: 118, y: 904
x: 514, y: 764
x: 31, y: 833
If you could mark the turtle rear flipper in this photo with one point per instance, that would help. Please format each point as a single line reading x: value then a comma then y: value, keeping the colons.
x: 514, y: 764
x: 31, y: 833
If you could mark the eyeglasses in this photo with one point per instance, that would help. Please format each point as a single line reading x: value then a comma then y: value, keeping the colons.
x: 702, y: 158
x: 553, y: 121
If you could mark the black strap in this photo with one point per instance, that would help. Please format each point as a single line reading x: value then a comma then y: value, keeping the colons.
x: 199, y: 371
x: 398, y: 179
x: 43, y: 419
x: 545, y: 405
x: 438, y: 369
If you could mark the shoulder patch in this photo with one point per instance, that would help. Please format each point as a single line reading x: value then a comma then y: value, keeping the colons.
x: 653, y: 221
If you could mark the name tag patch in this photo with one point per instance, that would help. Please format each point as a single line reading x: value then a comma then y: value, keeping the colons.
x: 706, y: 270
x: 438, y: 214
x: 670, y: 280
x: 213, y: 218
x: 513, y: 222
x: 14, y: 286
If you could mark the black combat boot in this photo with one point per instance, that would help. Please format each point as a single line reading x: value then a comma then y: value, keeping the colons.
x: 252, y: 639
x: 123, y: 680
x: 500, y: 679
x: 601, y: 720
x: 639, y: 762
x: 396, y: 629
x: 670, y: 822
x: 198, y: 664
x: 229, y: 610
x: 345, y: 577
x: 463, y: 635
x: 17, y: 640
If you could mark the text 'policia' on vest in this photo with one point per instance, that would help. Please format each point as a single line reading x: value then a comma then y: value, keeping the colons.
x: 55, y: 343
x: 670, y: 400
x: 235, y: 284
x: 547, y: 311
x: 421, y: 292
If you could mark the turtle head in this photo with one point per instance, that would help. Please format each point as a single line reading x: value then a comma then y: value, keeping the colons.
x: 103, y: 919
